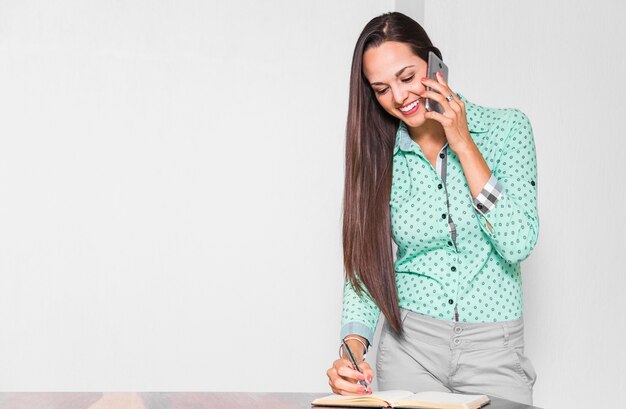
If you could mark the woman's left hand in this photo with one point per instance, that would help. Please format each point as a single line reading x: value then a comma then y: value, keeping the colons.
x: 453, y: 119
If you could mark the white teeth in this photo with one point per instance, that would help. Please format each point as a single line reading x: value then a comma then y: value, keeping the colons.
x: 410, y: 106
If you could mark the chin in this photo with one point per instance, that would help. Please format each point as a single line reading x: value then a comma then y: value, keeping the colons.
x: 414, y: 120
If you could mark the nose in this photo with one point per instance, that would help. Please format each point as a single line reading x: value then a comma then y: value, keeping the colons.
x: 399, y: 94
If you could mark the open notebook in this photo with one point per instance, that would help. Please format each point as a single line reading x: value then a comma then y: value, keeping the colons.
x: 406, y: 399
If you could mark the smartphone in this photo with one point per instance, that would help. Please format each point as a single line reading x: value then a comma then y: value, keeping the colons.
x: 435, y: 64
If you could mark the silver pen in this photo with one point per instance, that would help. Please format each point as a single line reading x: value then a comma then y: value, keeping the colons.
x: 354, y: 363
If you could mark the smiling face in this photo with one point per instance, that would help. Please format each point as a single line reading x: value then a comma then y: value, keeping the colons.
x: 394, y: 74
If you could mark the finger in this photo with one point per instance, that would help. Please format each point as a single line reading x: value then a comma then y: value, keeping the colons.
x: 444, y: 120
x: 453, y: 100
x: 442, y: 79
x: 350, y: 374
x: 341, y: 363
x: 454, y: 104
x: 346, y: 387
x: 435, y: 96
x: 332, y: 387
x: 368, y: 372
x: 446, y: 89
x: 352, y: 389
x: 443, y: 89
x: 437, y: 86
x: 344, y: 368
x: 344, y: 384
x: 460, y: 102
x: 331, y: 372
x: 439, y: 97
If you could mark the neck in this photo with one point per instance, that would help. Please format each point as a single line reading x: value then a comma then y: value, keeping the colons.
x: 428, y: 134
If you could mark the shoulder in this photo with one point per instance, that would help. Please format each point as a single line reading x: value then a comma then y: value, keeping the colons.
x: 498, y: 130
x: 482, y: 118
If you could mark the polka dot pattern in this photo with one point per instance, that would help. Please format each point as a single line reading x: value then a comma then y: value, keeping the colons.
x: 481, y: 277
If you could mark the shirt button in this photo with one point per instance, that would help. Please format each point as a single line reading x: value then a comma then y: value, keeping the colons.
x: 458, y: 330
x: 480, y: 205
x: 441, y: 155
x: 449, y: 243
x: 457, y: 341
x: 450, y: 301
x: 532, y: 182
x: 439, y: 186
x: 453, y: 268
x: 443, y: 216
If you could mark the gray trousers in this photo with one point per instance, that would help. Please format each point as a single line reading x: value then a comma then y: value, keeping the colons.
x: 437, y: 355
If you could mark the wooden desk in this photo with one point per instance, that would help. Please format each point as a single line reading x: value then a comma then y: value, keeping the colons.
x: 178, y: 400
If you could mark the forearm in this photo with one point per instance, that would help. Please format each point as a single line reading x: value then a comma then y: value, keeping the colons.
x: 475, y: 168
x: 517, y: 227
x: 360, y: 314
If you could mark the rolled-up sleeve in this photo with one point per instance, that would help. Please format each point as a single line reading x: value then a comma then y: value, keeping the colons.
x: 509, y: 199
x: 360, y: 314
x: 488, y: 196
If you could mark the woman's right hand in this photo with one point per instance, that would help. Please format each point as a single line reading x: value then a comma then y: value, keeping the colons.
x: 344, y: 379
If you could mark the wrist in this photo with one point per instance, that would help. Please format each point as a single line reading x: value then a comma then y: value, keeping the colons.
x: 466, y: 149
x: 357, y: 346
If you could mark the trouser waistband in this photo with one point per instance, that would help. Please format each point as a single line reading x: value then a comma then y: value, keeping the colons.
x: 474, y: 335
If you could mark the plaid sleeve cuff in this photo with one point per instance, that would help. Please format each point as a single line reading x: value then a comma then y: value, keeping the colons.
x: 489, y: 196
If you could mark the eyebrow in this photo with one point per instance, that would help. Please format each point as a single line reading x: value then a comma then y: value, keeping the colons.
x: 397, y: 75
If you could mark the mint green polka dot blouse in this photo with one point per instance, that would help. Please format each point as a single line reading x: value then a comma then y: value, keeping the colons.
x: 448, y: 264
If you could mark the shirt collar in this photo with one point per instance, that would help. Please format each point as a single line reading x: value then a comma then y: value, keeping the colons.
x: 479, y: 120
x: 404, y: 141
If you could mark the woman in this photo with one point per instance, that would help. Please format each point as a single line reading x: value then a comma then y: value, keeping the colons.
x: 457, y: 194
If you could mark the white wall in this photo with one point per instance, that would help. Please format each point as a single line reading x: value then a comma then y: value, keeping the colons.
x: 170, y: 192
x: 563, y: 64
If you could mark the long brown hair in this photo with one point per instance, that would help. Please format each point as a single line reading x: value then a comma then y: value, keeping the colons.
x: 370, y: 138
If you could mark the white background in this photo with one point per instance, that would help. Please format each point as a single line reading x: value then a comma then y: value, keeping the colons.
x: 171, y: 180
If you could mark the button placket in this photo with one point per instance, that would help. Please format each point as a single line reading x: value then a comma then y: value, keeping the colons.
x: 443, y: 169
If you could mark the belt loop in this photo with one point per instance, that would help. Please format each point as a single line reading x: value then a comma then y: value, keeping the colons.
x: 505, y: 328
